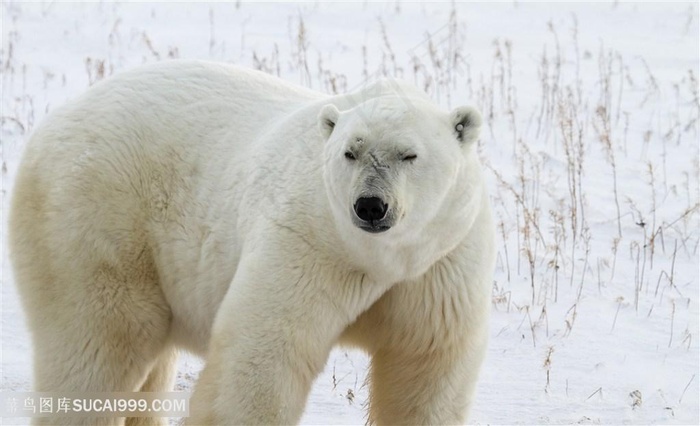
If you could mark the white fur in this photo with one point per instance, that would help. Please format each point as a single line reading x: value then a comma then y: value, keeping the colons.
x: 197, y: 205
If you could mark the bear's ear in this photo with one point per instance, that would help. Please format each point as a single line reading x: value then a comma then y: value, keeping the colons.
x: 466, y: 123
x: 327, y: 118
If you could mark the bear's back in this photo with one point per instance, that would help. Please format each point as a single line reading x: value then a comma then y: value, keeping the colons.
x: 145, y: 146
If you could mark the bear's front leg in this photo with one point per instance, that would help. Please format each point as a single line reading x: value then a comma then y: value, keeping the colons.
x: 271, y: 338
x: 429, y: 341
x: 426, y: 388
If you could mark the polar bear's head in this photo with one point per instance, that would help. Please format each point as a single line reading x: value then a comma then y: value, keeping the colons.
x: 393, y: 163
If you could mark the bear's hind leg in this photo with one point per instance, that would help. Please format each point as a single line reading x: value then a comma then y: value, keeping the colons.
x: 160, y: 379
x: 103, y: 336
x: 162, y: 376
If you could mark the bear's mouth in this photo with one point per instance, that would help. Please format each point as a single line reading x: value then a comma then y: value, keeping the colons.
x: 373, y: 228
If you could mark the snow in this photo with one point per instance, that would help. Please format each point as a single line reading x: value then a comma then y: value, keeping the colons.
x: 595, y: 314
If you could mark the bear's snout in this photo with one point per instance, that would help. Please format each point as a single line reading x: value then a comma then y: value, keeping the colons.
x: 372, y: 215
x: 370, y: 209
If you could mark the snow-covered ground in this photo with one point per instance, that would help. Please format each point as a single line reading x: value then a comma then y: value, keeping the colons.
x: 592, y: 156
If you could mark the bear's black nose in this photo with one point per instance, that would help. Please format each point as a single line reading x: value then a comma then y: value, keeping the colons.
x: 370, y: 209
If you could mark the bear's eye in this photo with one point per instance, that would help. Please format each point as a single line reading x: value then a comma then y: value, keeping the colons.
x: 409, y: 157
x: 349, y: 155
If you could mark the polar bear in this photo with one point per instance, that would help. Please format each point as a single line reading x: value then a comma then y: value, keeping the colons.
x: 201, y: 206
